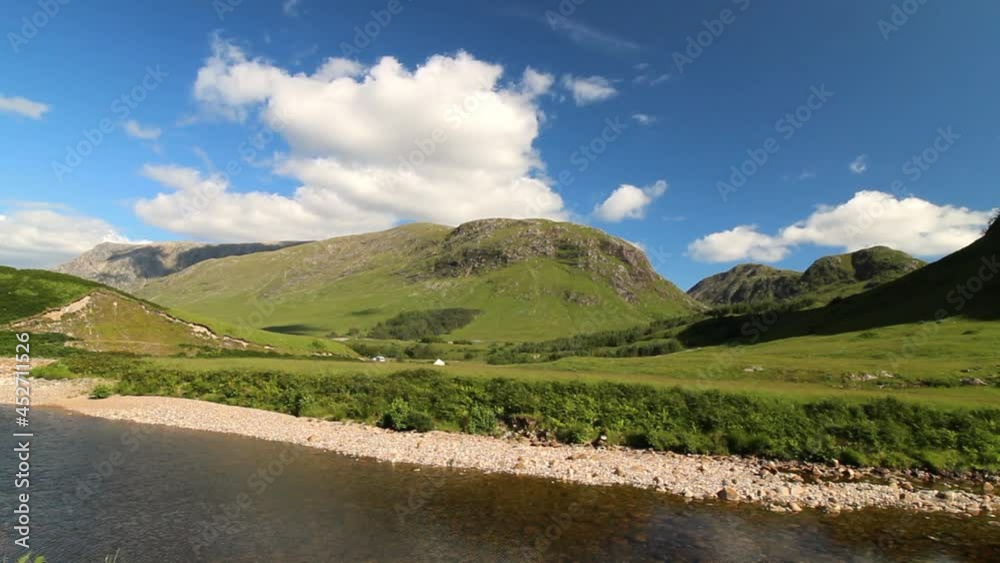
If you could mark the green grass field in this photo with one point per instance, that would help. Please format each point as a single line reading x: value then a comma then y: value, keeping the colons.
x: 926, y: 361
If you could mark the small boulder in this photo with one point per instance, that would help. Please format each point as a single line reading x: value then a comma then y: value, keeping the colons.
x: 728, y: 494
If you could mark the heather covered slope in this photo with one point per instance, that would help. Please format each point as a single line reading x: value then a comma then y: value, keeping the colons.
x: 826, y: 279
x: 526, y: 279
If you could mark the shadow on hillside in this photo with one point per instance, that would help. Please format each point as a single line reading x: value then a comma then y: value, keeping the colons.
x: 965, y: 284
x: 295, y: 329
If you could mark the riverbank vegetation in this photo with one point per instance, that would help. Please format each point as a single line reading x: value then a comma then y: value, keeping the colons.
x: 885, y: 431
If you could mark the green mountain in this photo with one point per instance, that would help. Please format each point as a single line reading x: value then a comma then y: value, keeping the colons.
x: 965, y: 284
x: 826, y: 279
x: 516, y: 280
x: 748, y: 283
x: 99, y: 318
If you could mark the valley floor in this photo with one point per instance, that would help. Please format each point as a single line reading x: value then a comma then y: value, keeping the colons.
x: 779, y: 487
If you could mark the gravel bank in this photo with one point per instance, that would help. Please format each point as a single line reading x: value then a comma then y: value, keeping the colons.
x: 43, y: 391
x: 730, y: 479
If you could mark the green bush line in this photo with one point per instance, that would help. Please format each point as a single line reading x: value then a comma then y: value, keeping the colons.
x: 885, y: 432
x: 417, y: 325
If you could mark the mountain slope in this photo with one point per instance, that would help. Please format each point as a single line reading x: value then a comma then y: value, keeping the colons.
x: 99, y: 318
x: 826, y: 279
x: 747, y: 283
x: 966, y: 283
x: 528, y: 279
x: 130, y: 266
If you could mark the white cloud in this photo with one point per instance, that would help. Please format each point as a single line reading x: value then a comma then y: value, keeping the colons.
x: 589, y: 90
x: 636, y: 244
x: 644, y: 118
x: 870, y: 218
x: 204, y: 208
x: 740, y: 243
x: 290, y: 7
x: 586, y: 35
x: 536, y: 83
x: 649, y: 76
x: 449, y: 141
x: 859, y: 165
x: 23, y: 106
x: 40, y: 236
x: 334, y: 68
x: 137, y: 131
x: 629, y: 202
x: 807, y: 175
x: 657, y: 80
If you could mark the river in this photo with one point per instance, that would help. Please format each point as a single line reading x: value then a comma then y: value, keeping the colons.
x: 151, y: 493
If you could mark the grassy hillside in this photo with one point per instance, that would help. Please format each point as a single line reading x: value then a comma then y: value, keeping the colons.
x: 29, y: 292
x: 98, y: 318
x: 963, y: 284
x: 826, y: 279
x: 529, y: 280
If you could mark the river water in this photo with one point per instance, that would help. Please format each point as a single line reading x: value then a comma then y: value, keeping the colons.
x: 150, y: 493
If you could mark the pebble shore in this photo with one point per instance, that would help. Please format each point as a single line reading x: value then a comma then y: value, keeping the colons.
x: 777, y: 487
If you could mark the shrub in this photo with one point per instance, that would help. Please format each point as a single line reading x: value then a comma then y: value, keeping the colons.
x: 101, y: 391
x: 419, y: 422
x: 853, y: 457
x: 395, y: 415
x: 481, y: 420
x: 400, y: 416
x: 57, y: 370
x: 575, y: 433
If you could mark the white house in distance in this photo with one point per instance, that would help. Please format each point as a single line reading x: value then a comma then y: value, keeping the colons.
x: 439, y: 362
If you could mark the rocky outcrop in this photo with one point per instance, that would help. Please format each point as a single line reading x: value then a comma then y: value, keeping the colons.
x: 129, y: 266
x: 747, y: 283
x: 490, y: 244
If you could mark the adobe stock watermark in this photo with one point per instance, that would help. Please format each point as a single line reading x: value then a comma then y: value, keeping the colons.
x: 248, y: 150
x: 958, y: 298
x: 365, y: 35
x: 697, y: 44
x: 226, y: 520
x: 90, y: 485
x: 121, y: 107
x: 914, y: 168
x: 419, y: 496
x: 898, y: 17
x: 426, y: 146
x: 32, y: 25
x: 786, y: 127
x: 582, y: 158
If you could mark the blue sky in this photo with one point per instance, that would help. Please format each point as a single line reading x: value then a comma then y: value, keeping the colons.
x: 918, y: 83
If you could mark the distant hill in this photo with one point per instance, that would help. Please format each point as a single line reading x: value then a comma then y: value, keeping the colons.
x: 100, y: 318
x: 519, y: 280
x: 966, y: 283
x: 748, y: 283
x: 129, y: 266
x: 826, y: 279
